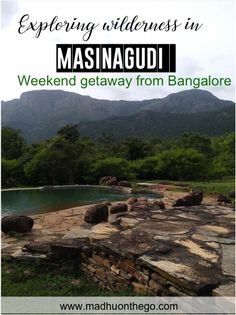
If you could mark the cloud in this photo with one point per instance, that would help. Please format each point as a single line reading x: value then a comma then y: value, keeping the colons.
x: 8, y: 10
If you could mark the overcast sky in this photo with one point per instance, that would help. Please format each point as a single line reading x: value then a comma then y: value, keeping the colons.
x: 210, y: 51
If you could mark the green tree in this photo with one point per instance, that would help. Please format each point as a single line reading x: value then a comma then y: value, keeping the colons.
x: 196, y: 141
x: 135, y: 148
x: 181, y: 164
x: 113, y: 167
x: 69, y: 133
x: 12, y: 143
x: 53, y: 164
x: 12, y: 173
x: 224, y: 160
x: 61, y: 160
x: 109, y: 145
x: 145, y: 168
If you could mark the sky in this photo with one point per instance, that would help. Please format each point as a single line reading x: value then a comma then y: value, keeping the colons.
x: 209, y: 51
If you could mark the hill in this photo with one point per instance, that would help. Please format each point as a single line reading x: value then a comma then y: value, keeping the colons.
x: 191, y: 101
x: 149, y: 124
x: 39, y: 114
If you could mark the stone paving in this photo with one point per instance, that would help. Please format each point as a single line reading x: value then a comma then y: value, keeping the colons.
x: 193, y: 247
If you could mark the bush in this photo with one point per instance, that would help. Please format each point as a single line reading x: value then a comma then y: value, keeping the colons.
x: 12, y: 173
x: 146, y: 168
x: 181, y: 164
x: 113, y: 167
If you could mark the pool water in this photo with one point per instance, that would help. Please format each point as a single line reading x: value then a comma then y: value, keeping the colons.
x: 42, y: 201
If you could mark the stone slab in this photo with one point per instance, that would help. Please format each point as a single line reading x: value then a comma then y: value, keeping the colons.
x: 228, y: 260
x: 224, y: 290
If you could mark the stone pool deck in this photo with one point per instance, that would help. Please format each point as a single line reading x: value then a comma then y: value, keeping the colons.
x: 176, y: 251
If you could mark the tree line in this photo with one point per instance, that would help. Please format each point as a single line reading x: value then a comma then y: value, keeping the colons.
x: 69, y: 158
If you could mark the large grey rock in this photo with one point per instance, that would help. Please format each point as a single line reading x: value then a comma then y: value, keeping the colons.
x: 124, y: 183
x: 17, y: 223
x: 232, y: 194
x: 108, y: 181
x: 120, y: 207
x: 192, y: 199
x: 223, y: 199
x: 96, y: 214
x: 160, y: 204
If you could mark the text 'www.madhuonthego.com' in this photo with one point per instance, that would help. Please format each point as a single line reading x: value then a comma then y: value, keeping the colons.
x: 119, y: 307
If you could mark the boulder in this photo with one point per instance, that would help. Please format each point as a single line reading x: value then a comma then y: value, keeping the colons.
x: 96, y: 214
x: 192, y: 199
x: 124, y: 183
x: 120, y: 207
x: 103, y: 180
x: 232, y: 194
x: 223, y: 199
x: 17, y: 223
x: 160, y: 204
x: 127, y: 223
x: 116, y: 217
x: 131, y: 201
x: 108, y: 181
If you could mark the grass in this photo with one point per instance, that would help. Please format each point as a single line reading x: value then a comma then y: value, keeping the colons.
x: 21, y: 279
x: 213, y: 187
x: 223, y: 186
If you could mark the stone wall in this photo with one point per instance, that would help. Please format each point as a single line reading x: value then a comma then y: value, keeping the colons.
x: 114, y: 273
